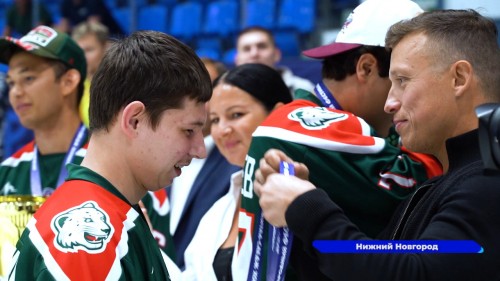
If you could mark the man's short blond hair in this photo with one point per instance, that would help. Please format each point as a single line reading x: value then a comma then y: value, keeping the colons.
x: 99, y: 30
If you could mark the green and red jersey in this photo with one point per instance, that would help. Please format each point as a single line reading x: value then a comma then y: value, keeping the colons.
x: 157, y: 205
x: 87, y: 230
x: 366, y: 175
x: 15, y: 171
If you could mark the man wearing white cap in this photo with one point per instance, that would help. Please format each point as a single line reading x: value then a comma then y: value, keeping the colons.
x: 444, y: 73
x: 342, y: 134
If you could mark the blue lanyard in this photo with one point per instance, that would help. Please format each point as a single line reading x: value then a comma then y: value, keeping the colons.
x: 326, y: 97
x: 280, y: 242
x: 36, y: 182
x: 278, y: 249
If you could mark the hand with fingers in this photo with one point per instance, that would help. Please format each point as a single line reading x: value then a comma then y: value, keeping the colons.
x: 277, y: 191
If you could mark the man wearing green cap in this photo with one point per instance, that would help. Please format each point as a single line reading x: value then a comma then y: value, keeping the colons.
x: 45, y: 79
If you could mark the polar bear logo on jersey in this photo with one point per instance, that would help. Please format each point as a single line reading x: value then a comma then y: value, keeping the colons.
x: 85, y: 227
x: 316, y: 118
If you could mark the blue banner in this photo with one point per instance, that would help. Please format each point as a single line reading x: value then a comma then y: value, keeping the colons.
x: 398, y: 246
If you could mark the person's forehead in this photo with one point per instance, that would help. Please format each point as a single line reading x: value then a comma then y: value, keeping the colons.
x: 196, y: 110
x: 189, y: 104
x: 27, y: 60
x: 254, y: 37
x: 411, y: 46
x: 89, y: 38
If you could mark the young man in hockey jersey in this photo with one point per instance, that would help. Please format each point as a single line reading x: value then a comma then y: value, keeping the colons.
x: 45, y: 79
x: 343, y: 135
x: 147, y: 111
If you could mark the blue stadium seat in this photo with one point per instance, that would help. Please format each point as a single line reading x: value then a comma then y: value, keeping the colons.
x: 126, y: 3
x: 3, y: 68
x: 228, y: 56
x: 212, y: 42
x: 122, y: 17
x: 168, y: 3
x: 154, y: 17
x: 54, y: 8
x: 208, y: 53
x: 288, y: 42
x: 3, y: 19
x: 6, y: 3
x: 298, y: 14
x: 204, y: 2
x: 186, y: 20
x: 221, y: 18
x: 111, y: 4
x: 260, y: 13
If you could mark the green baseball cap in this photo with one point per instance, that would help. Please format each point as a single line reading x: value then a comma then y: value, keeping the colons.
x: 45, y: 42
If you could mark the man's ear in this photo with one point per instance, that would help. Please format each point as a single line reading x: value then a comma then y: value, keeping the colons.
x: 133, y: 118
x: 462, y: 74
x: 277, y: 55
x: 70, y: 81
x: 237, y: 58
x: 278, y: 105
x: 366, y: 66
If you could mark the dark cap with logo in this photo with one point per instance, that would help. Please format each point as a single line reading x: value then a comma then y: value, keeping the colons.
x: 45, y: 42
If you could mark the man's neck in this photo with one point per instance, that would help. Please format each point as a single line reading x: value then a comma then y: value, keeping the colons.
x: 57, y: 137
x: 105, y: 156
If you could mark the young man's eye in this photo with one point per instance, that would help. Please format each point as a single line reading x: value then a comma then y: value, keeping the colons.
x: 29, y: 78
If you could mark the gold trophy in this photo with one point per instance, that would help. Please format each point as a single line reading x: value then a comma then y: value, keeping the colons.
x: 15, y: 212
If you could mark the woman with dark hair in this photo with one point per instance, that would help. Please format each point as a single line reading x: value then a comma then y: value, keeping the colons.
x: 242, y: 98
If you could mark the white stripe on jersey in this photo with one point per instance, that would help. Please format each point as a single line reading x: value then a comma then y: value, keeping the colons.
x: 14, y: 162
x: 291, y: 136
x: 122, y: 249
x: 81, y: 152
x: 37, y: 240
x: 28, y: 157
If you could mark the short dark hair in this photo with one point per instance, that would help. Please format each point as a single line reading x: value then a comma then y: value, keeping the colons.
x: 151, y: 67
x: 256, y: 29
x: 341, y: 65
x: 457, y: 35
x: 60, y: 68
x: 262, y: 82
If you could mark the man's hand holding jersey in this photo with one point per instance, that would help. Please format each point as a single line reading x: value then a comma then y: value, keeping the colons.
x: 277, y: 191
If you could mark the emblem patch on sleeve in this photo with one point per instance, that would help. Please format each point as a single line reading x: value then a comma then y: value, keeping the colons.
x: 86, y: 227
x: 316, y: 118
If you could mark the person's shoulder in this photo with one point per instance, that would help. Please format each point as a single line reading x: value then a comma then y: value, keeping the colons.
x: 304, y: 94
x: 295, y: 82
x: 24, y: 154
x: 303, y: 121
x: 81, y: 229
x: 73, y: 189
x: 87, y: 203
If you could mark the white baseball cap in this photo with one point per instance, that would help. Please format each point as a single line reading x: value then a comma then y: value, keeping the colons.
x: 367, y: 25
